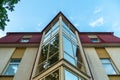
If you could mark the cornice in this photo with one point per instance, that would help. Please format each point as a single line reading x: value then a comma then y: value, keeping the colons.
x: 19, y: 45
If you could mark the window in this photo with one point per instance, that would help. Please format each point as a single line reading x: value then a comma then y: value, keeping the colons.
x: 108, y: 66
x: 12, y: 67
x: 71, y: 76
x: 95, y: 40
x: 49, y: 54
x: 25, y: 40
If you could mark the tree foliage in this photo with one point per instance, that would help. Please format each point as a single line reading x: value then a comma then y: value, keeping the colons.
x: 6, y: 5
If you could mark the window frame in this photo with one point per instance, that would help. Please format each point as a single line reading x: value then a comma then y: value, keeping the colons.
x: 11, y: 63
x: 95, y: 40
x: 111, y: 65
x: 25, y: 40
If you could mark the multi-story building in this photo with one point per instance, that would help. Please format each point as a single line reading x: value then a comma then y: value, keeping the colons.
x: 60, y: 52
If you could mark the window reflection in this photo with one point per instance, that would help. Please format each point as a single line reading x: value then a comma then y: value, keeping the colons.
x: 53, y: 76
x: 70, y: 76
x: 51, y: 32
x: 109, y: 68
x: 12, y: 67
x: 69, y: 58
x: 49, y: 54
x: 68, y: 31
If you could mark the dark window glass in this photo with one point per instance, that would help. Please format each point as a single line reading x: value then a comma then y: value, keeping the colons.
x: 53, y: 76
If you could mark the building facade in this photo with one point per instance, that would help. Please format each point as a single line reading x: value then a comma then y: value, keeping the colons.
x: 60, y: 52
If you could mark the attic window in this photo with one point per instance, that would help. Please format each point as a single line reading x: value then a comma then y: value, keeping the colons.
x: 25, y: 40
x: 94, y: 38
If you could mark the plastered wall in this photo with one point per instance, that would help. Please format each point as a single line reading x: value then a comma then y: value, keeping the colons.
x: 26, y: 65
x: 5, y: 54
x: 96, y: 67
x: 114, y: 53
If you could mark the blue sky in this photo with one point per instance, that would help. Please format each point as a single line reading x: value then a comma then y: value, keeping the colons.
x: 86, y: 15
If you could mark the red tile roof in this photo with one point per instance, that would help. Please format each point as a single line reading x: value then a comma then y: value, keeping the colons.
x: 105, y: 37
x: 15, y: 37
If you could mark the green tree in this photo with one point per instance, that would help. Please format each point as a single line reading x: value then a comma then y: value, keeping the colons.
x: 6, y: 5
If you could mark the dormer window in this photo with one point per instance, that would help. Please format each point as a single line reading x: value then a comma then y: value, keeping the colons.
x: 94, y: 38
x: 25, y: 38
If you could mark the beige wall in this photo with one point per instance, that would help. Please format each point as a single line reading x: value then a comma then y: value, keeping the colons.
x: 95, y: 64
x: 115, y: 55
x: 26, y: 65
x: 5, y: 54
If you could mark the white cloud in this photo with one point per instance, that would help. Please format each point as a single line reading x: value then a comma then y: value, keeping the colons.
x: 76, y: 24
x: 97, y: 10
x: 39, y: 26
x: 98, y: 22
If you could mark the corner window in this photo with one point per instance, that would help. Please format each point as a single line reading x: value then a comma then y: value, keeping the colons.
x: 108, y: 66
x: 12, y: 67
x: 25, y: 40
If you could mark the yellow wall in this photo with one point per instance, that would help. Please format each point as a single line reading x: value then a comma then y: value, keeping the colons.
x: 26, y: 65
x: 5, y: 54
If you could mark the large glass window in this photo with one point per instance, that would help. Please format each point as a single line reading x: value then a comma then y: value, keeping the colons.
x: 52, y: 31
x: 68, y: 31
x: 68, y: 50
x: 49, y: 54
x: 108, y: 66
x: 12, y: 67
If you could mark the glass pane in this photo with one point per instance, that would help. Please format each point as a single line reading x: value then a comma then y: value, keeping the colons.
x: 69, y: 58
x: 105, y: 60
x: 67, y: 46
x: 70, y: 76
x: 54, y: 58
x: 65, y: 26
x: 54, y: 31
x: 25, y: 40
x: 53, y: 76
x: 54, y: 45
x: 109, y: 69
x: 55, y: 26
x: 46, y: 38
x: 65, y: 30
x: 44, y: 52
x: 94, y: 39
x: 11, y: 69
